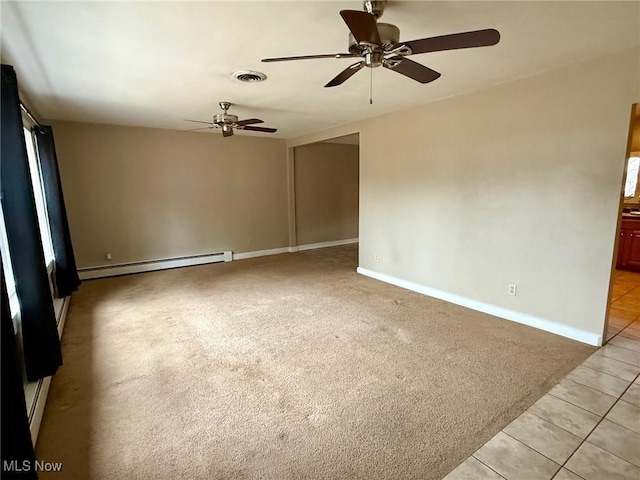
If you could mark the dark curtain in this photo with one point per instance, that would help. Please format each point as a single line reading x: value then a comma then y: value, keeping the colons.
x: 41, y: 345
x: 65, y: 275
x: 17, y: 450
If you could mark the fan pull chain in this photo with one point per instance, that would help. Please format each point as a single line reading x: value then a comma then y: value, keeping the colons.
x: 371, y: 86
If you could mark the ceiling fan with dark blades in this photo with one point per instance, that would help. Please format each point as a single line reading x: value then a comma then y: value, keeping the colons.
x: 228, y: 122
x: 378, y: 44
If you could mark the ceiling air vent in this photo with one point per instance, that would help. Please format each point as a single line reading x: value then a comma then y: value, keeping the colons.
x: 249, y: 76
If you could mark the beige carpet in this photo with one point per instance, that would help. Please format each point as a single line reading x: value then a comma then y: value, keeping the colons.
x: 284, y: 367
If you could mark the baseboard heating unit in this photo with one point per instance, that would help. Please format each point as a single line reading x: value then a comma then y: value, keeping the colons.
x: 151, y: 265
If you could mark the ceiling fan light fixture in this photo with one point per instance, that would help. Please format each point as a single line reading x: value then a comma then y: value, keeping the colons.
x: 378, y: 44
x: 249, y: 76
x: 228, y: 122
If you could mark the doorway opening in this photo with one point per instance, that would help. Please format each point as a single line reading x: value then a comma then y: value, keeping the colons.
x: 326, y: 178
x: 622, y: 324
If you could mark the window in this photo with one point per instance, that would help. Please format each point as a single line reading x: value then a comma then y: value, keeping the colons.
x: 43, y: 223
x: 31, y: 389
x: 8, y: 269
x: 38, y: 195
x: 631, y: 182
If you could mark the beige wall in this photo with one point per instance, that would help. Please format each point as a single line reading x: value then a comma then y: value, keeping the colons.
x: 519, y: 183
x: 326, y: 192
x: 145, y: 194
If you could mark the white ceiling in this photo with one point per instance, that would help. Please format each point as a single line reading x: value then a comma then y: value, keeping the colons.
x: 156, y: 63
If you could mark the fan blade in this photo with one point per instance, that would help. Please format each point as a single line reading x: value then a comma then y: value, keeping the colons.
x: 198, y: 121
x: 345, y: 74
x: 201, y: 128
x: 478, y: 38
x: 309, y: 57
x: 411, y: 69
x: 250, y: 121
x: 260, y: 129
x: 363, y: 26
x: 227, y: 133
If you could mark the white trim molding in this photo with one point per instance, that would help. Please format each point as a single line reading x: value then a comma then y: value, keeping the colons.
x: 102, y: 271
x: 62, y: 316
x: 299, y: 248
x: 41, y: 387
x: 261, y: 253
x: 38, y: 407
x: 573, y: 333
x: 152, y: 265
x: 333, y: 243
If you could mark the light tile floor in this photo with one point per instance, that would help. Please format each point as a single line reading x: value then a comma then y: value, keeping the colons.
x: 588, y: 426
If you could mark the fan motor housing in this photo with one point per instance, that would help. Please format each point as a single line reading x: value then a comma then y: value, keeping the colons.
x: 224, y: 119
x: 389, y: 34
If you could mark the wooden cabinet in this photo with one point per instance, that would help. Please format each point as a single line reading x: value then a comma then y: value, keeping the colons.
x: 629, y: 245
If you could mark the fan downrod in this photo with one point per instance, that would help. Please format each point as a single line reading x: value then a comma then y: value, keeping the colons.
x: 225, y: 118
x: 374, y: 8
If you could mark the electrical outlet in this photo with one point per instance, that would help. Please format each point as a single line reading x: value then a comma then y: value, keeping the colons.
x: 512, y: 289
x: 376, y: 257
x: 108, y: 256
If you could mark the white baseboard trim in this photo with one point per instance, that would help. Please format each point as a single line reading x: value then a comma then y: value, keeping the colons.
x: 523, y: 318
x: 102, y: 271
x: 299, y: 248
x: 38, y: 412
x: 62, y: 317
x: 152, y: 265
x: 42, y: 387
x: 333, y: 243
x: 261, y: 253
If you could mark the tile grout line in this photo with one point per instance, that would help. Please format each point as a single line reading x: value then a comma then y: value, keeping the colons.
x: 618, y: 346
x: 587, y: 386
x: 582, y: 408
x: 534, y: 450
x: 619, y: 331
x: 597, y: 371
x: 629, y: 338
x: 625, y: 348
x: 545, y: 420
x: 582, y: 440
x: 596, y: 426
x: 476, y: 458
x: 601, y: 418
x: 617, y: 399
x: 605, y: 373
x: 561, y: 428
x: 611, y: 453
x: 605, y: 450
x: 609, y: 358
